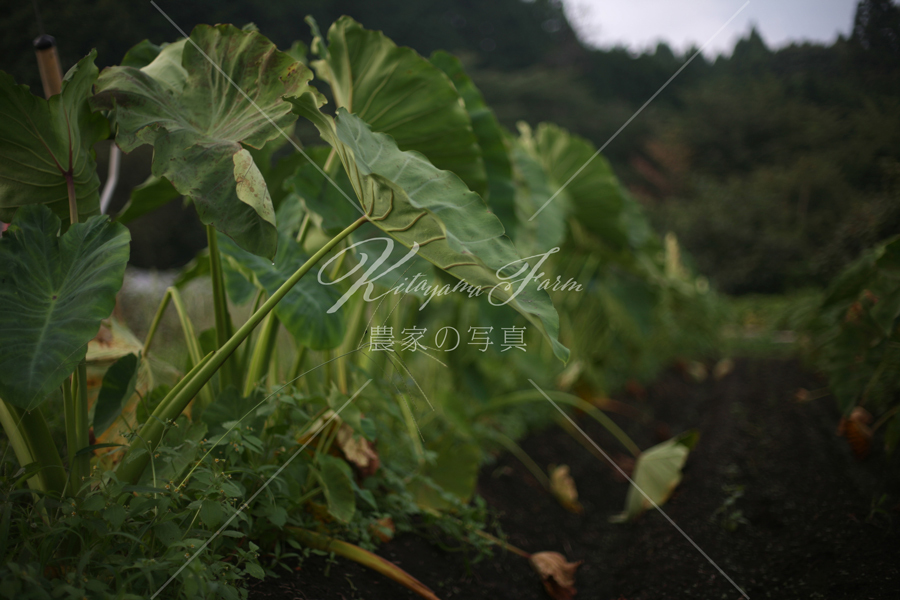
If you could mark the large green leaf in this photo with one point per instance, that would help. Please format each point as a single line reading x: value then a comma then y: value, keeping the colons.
x: 420, y: 205
x: 400, y: 93
x: 54, y: 291
x: 304, y: 310
x: 323, y: 198
x: 141, y: 54
x: 336, y: 479
x: 596, y: 196
x: 119, y: 383
x: 490, y: 134
x: 454, y: 471
x: 46, y: 141
x: 372, y: 245
x: 184, y: 105
x: 532, y: 189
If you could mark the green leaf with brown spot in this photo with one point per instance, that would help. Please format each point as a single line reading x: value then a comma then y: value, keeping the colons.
x: 187, y: 105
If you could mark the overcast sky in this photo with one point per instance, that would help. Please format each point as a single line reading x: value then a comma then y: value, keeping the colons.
x: 640, y: 24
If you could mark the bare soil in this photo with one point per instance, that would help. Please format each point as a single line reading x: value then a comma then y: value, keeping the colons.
x: 805, y: 527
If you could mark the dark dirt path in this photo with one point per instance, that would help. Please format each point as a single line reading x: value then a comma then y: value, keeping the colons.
x: 804, y: 528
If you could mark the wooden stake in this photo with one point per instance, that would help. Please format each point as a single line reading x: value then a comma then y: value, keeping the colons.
x: 48, y: 64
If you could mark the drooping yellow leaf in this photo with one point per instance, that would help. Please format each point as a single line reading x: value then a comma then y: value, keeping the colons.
x: 563, y: 487
x: 657, y: 473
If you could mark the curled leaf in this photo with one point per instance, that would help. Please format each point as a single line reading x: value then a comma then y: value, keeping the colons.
x: 566, y: 380
x: 557, y: 574
x: 358, y: 451
x: 201, y: 105
x: 657, y: 473
x: 563, y: 487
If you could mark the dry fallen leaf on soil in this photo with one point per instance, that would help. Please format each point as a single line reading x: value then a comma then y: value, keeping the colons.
x: 723, y: 368
x: 856, y: 430
x: 358, y: 451
x: 563, y: 487
x: 861, y: 415
x: 697, y: 371
x: 557, y: 574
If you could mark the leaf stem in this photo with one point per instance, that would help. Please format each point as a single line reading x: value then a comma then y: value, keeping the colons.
x: 262, y: 353
x: 224, y: 326
x: 523, y: 457
x: 177, y: 400
x: 363, y: 557
x: 563, y: 398
x: 31, y: 441
x: 81, y: 466
x: 73, y: 204
x: 195, y: 353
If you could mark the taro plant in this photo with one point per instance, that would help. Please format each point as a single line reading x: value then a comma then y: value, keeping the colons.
x: 60, y: 279
x: 413, y: 162
x: 856, y: 340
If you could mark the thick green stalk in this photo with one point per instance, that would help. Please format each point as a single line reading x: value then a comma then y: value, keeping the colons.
x: 73, y: 201
x: 75, y: 393
x: 30, y: 439
x: 563, y: 398
x: 351, y: 341
x: 272, y: 377
x: 190, y: 338
x: 363, y: 557
x: 157, y: 319
x: 523, y: 457
x: 297, y: 364
x: 412, y: 429
x: 151, y: 433
x: 224, y: 327
x: 262, y: 353
x: 177, y: 399
x: 80, y: 466
x: 71, y: 429
x: 304, y: 227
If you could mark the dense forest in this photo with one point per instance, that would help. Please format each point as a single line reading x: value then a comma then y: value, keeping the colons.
x: 774, y: 167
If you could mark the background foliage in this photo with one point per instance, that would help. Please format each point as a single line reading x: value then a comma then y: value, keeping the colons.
x: 802, y: 142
